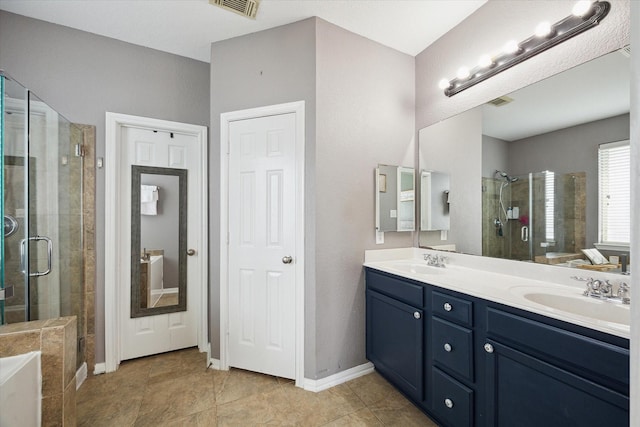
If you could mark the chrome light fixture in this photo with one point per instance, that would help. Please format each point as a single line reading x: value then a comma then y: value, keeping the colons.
x: 585, y: 15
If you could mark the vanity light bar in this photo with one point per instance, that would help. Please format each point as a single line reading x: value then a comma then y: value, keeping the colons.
x: 585, y: 16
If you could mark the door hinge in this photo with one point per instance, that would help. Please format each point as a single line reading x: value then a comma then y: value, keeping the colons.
x: 79, y: 150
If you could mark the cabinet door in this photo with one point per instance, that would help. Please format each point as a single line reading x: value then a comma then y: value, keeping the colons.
x: 395, y: 342
x: 525, y: 391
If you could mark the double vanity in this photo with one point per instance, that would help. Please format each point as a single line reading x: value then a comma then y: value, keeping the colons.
x: 476, y: 342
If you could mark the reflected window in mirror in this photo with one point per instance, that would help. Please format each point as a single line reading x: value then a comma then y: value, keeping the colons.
x: 614, y: 172
x: 158, y: 240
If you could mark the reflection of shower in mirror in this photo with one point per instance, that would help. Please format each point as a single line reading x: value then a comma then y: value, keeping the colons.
x: 502, y: 211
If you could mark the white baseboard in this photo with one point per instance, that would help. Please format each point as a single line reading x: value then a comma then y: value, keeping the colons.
x: 214, y: 364
x: 81, y: 375
x: 100, y: 368
x: 339, y: 378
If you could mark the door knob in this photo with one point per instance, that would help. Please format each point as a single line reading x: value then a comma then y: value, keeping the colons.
x: 287, y: 259
x: 191, y: 252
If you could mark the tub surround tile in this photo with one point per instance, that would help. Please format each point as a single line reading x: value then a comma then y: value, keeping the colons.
x: 52, y: 361
x: 52, y: 410
x: 69, y: 404
x: 15, y: 343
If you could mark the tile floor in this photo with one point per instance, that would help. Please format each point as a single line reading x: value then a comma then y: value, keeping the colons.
x: 175, y: 389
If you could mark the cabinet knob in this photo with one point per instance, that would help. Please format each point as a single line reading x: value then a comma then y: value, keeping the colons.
x: 447, y: 347
x: 447, y: 306
x: 417, y: 314
x: 448, y: 403
x: 488, y: 348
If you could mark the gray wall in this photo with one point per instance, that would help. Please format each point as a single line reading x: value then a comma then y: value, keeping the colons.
x: 82, y: 76
x: 359, y: 112
x: 270, y: 67
x: 365, y: 116
x: 573, y: 149
x: 495, y: 156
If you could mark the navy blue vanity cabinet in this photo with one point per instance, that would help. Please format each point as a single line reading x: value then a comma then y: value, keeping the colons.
x: 395, y: 331
x: 541, y: 374
x: 452, y: 359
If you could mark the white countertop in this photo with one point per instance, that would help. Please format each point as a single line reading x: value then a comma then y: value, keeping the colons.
x: 553, y: 293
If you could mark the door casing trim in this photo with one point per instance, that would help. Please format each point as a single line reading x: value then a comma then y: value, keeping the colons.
x: 298, y: 108
x: 113, y: 277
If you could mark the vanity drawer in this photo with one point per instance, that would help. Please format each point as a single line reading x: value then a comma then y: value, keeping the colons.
x: 452, y: 308
x: 452, y: 347
x: 583, y: 355
x: 399, y: 289
x: 452, y: 401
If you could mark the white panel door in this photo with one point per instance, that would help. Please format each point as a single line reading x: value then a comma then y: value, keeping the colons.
x: 143, y: 336
x: 262, y: 203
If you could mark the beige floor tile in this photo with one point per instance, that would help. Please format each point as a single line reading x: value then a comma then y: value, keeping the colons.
x: 175, y: 389
x: 373, y: 388
x: 361, y: 418
x: 321, y: 408
x: 270, y: 408
x: 237, y: 384
x: 174, y: 399
x: 201, y: 419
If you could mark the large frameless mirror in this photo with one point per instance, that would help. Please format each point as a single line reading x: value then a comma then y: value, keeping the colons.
x: 158, y: 240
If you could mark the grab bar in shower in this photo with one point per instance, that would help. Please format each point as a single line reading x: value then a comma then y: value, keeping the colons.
x: 23, y: 255
x: 524, y: 234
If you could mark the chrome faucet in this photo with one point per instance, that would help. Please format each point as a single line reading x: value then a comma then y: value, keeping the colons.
x: 603, y: 289
x: 435, y: 260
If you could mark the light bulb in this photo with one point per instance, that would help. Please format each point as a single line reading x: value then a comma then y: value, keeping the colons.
x: 581, y: 8
x: 463, y: 73
x: 485, y: 61
x: 543, y: 29
x: 444, y: 84
x: 511, y: 47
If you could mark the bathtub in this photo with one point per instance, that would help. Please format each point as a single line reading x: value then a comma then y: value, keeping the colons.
x: 21, y: 390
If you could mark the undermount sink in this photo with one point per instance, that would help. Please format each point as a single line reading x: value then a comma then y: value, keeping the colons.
x: 576, y: 303
x: 414, y: 267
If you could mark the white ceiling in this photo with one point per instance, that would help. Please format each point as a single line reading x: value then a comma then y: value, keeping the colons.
x: 188, y: 27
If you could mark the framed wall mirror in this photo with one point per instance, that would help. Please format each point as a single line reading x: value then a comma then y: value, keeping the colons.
x: 533, y: 170
x: 395, y: 198
x: 158, y: 240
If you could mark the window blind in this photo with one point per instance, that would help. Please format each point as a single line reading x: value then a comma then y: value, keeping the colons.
x: 614, y: 177
x: 549, y: 205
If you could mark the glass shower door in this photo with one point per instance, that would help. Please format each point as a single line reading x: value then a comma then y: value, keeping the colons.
x: 14, y: 136
x: 42, y: 257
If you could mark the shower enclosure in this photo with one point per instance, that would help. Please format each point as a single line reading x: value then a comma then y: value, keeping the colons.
x: 41, y: 248
x: 534, y: 217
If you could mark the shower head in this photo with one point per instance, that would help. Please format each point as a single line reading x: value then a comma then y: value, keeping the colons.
x: 504, y: 175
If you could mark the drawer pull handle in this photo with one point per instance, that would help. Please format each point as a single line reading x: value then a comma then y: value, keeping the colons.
x: 448, y: 403
x: 488, y: 348
x: 447, y: 306
x: 417, y: 314
x: 447, y: 347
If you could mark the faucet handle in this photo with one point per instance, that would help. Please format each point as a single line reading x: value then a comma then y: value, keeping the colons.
x: 623, y: 293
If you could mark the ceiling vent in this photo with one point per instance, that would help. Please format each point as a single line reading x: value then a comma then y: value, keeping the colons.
x: 626, y: 51
x: 247, y: 8
x: 499, y: 102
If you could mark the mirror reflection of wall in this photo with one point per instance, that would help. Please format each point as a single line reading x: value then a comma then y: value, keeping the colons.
x: 160, y: 231
x: 395, y: 198
x: 539, y: 163
x: 434, y: 201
